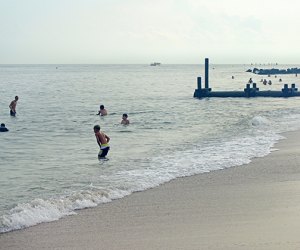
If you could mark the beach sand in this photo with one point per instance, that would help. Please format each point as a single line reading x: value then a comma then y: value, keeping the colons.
x: 254, y: 206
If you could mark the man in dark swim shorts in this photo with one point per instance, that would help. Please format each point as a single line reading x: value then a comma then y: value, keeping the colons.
x: 102, y: 140
x: 13, y: 105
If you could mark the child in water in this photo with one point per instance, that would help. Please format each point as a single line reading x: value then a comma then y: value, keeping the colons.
x: 125, y: 120
x: 102, y: 111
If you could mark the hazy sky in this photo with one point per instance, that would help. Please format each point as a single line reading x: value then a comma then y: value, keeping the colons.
x: 143, y: 31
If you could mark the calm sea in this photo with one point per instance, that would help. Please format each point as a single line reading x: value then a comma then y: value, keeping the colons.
x: 48, y: 159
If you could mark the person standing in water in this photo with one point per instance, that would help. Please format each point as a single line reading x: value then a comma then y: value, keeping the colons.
x: 13, y: 106
x: 102, y: 111
x: 125, y: 120
x: 102, y: 140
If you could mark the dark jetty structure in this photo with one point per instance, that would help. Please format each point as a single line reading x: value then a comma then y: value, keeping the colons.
x: 274, y: 71
x: 249, y: 91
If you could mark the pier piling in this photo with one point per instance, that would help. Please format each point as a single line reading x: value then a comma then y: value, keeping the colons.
x: 206, y: 73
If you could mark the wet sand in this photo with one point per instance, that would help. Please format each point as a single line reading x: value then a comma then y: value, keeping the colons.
x: 254, y: 206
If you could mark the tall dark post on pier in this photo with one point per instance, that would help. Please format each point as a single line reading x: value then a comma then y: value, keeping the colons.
x: 206, y: 73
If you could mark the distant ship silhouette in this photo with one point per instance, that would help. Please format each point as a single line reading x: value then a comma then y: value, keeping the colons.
x: 155, y: 64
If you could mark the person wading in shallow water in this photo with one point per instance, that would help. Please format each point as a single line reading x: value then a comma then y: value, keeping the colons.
x: 13, y: 106
x: 102, y: 140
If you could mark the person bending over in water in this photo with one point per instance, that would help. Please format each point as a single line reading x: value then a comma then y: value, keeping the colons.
x: 125, y: 120
x: 102, y: 111
x: 13, y: 105
x: 102, y: 140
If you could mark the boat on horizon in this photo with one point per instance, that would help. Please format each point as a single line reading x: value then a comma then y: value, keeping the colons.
x: 155, y: 64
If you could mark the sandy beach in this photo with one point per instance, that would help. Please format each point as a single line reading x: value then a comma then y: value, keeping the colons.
x: 254, y: 206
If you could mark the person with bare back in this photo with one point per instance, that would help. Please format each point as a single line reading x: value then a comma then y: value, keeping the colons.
x: 13, y: 106
x: 102, y: 140
x: 125, y: 120
x: 102, y: 111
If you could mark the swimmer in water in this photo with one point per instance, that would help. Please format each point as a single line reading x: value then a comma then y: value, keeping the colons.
x: 102, y: 111
x: 3, y: 128
x: 125, y: 120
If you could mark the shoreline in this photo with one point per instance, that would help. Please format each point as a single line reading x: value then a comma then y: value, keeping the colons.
x: 253, y: 206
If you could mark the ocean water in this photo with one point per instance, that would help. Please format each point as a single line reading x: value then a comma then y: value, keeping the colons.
x: 48, y: 159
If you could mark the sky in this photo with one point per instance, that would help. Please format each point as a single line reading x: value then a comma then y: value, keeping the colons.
x: 144, y: 31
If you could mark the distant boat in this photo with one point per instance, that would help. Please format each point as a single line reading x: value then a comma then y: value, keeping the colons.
x: 155, y: 64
